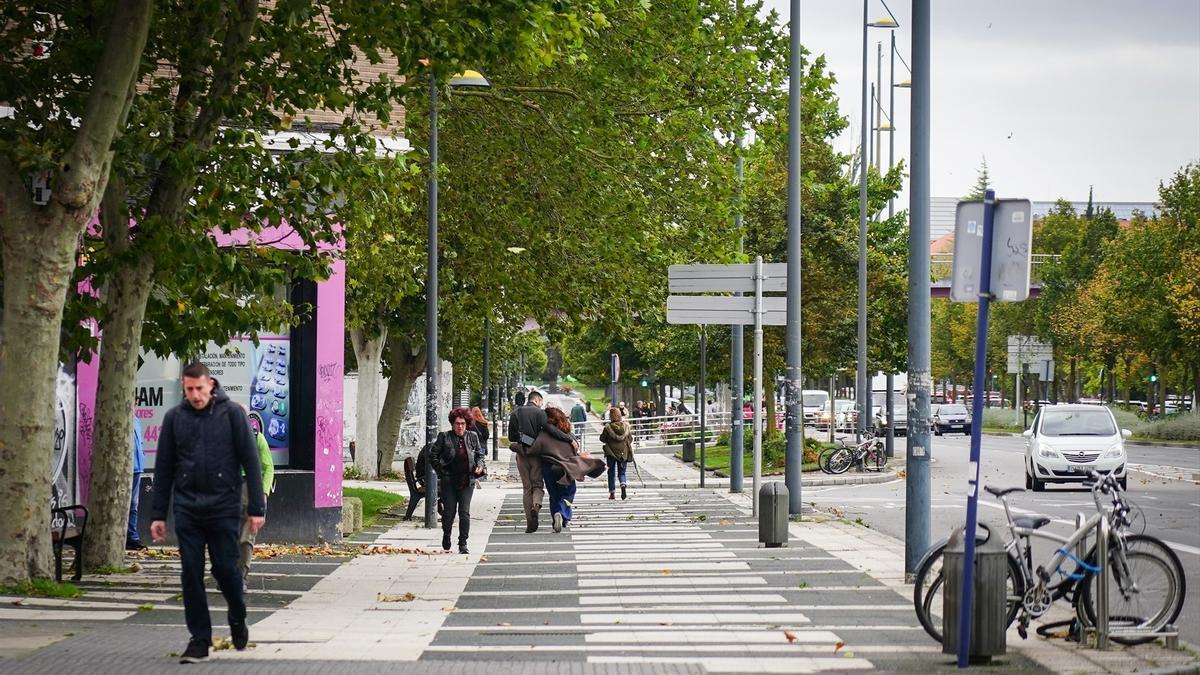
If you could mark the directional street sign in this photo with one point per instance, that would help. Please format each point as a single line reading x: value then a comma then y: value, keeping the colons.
x: 724, y: 310
x: 1011, y: 251
x: 1027, y: 349
x: 725, y: 278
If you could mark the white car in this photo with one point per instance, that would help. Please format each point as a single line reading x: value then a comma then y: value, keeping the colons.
x: 813, y: 401
x: 1066, y: 442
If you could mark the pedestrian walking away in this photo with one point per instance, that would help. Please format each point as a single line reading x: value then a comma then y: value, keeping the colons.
x: 204, y: 446
x: 133, y: 539
x: 578, y: 421
x: 245, y: 536
x: 524, y: 425
x: 479, y: 424
x: 563, y: 464
x: 458, y: 460
x: 618, y: 451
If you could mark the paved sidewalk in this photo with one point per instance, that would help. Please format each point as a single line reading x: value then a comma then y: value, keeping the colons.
x: 672, y: 580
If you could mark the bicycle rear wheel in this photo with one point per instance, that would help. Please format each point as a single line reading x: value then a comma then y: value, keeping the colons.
x: 927, y: 591
x: 840, y: 460
x: 875, y: 459
x: 1146, y: 587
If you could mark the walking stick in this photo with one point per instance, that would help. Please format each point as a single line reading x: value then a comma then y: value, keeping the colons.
x: 639, y: 471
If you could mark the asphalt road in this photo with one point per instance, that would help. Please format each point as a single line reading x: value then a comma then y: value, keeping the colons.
x: 1171, y: 508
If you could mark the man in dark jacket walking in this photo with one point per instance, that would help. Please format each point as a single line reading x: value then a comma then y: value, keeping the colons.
x: 524, y: 425
x: 204, y: 447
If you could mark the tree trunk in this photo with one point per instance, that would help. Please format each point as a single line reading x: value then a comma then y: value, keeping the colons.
x: 769, y: 408
x: 38, y: 258
x: 405, y: 367
x: 1128, y: 379
x: 1196, y: 390
x: 37, y: 247
x: 1073, y: 393
x: 368, y: 352
x: 112, y: 451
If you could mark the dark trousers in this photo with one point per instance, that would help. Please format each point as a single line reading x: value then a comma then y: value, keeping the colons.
x: 456, y: 500
x: 131, y: 534
x: 219, y: 534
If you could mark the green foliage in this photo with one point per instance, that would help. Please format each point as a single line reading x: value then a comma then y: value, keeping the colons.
x: 351, y: 472
x: 1183, y: 427
x: 42, y: 588
x: 375, y: 502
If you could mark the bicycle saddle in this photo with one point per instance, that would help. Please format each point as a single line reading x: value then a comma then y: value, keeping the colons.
x: 1033, y: 522
x: 1000, y: 492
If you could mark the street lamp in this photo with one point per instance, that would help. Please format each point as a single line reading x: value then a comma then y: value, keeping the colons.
x: 468, y: 78
x: 864, y: 401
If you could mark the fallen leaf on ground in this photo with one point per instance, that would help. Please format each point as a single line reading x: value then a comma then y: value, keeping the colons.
x: 666, y: 573
x: 838, y: 646
x: 220, y: 644
x: 791, y: 637
x: 504, y: 624
x: 407, y: 597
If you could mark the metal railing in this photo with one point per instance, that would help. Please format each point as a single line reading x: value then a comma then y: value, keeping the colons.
x: 942, y: 264
x: 664, y: 430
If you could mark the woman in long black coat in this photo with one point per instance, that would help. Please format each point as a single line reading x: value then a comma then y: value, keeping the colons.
x: 458, y: 458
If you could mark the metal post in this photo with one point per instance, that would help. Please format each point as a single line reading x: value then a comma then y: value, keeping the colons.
x: 890, y: 443
x: 877, y: 95
x: 892, y: 144
x: 614, y: 376
x: 758, y: 360
x: 701, y: 399
x: 794, y: 405
x: 736, y: 353
x: 1102, y: 590
x: 916, y: 496
x: 495, y: 401
x: 860, y: 386
x: 832, y: 408
x: 486, y: 390
x: 981, y: 330
x: 433, y: 382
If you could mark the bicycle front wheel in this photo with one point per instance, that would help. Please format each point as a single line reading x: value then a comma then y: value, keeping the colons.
x: 823, y: 459
x: 1146, y: 587
x: 840, y: 460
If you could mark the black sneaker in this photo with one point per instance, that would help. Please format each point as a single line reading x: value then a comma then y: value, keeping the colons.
x: 196, y: 652
x: 446, y: 541
x: 462, y: 548
x: 624, y: 495
x: 135, y: 546
x: 240, y: 635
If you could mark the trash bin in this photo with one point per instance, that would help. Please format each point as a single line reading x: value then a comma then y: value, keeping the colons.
x: 773, y: 514
x: 989, y: 601
x: 689, y: 451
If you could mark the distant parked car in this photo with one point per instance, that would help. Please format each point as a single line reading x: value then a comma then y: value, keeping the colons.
x: 813, y: 400
x: 899, y: 413
x: 1066, y: 442
x: 952, y: 417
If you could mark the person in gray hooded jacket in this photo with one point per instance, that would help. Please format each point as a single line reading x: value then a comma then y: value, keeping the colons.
x: 203, y: 449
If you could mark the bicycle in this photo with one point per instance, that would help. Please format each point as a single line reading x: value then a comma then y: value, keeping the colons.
x: 869, y: 452
x: 1146, y: 587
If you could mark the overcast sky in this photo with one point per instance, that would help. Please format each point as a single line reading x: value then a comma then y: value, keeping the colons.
x: 1057, y: 95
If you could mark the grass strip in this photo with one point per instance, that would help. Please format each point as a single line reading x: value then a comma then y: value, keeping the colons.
x: 374, y: 502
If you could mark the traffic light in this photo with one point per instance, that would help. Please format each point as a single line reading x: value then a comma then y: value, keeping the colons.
x: 645, y: 381
x: 1153, y: 377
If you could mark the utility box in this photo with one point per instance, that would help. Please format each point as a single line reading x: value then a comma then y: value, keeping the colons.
x: 689, y: 451
x: 989, y: 602
x: 773, y: 514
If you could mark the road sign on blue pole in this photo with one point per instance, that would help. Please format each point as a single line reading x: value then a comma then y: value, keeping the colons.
x: 981, y: 329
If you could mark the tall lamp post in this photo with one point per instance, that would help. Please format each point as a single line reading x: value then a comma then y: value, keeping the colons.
x: 861, y: 386
x: 891, y: 129
x: 433, y: 369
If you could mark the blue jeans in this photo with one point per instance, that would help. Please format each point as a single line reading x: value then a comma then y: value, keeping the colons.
x: 131, y: 533
x: 561, y: 497
x: 616, y: 470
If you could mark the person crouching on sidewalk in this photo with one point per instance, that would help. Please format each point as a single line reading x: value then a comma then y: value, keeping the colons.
x: 618, y: 451
x: 458, y: 459
x: 562, y: 466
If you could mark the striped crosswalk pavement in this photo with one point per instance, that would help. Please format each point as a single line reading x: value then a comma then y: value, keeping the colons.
x: 672, y: 577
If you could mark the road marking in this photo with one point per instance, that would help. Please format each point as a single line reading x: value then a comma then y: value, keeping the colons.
x: 747, y: 664
x: 1182, y: 547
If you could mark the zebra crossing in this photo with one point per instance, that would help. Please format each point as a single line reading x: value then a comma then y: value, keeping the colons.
x: 672, y: 577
